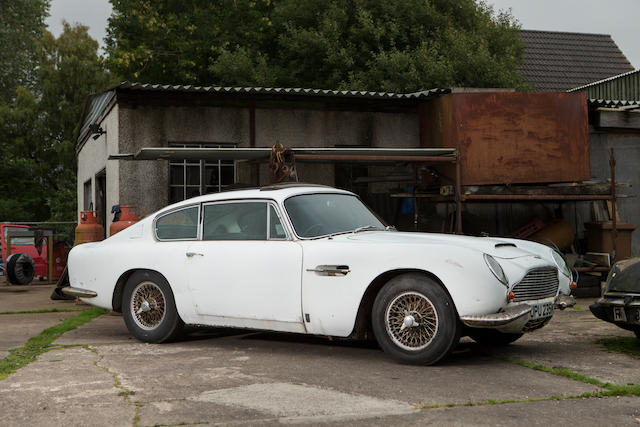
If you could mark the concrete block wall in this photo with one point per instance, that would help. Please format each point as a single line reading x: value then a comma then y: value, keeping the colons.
x: 92, y: 160
x: 144, y: 184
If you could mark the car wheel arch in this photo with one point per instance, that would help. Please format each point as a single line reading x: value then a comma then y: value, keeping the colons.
x: 362, y: 328
x: 118, y: 291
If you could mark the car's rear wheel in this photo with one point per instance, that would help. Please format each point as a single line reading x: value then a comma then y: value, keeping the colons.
x: 149, y: 308
x: 414, y: 319
x: 492, y: 337
x: 637, y: 332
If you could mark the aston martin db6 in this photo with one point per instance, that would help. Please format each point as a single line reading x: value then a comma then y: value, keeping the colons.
x: 315, y: 260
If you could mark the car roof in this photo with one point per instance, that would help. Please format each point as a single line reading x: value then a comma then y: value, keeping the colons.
x: 277, y: 192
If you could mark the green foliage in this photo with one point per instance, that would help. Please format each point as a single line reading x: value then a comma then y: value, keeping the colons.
x: 38, y: 128
x: 41, y: 343
x: 21, y: 23
x: 22, y: 172
x: 400, y: 45
x: 625, y: 345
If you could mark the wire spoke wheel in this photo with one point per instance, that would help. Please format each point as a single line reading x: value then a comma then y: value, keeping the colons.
x: 148, y: 305
x: 411, y: 321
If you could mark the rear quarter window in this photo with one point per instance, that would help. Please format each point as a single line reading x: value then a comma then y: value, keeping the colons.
x: 178, y: 225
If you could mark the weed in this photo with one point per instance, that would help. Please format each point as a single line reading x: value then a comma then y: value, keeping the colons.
x: 41, y: 343
x: 625, y: 345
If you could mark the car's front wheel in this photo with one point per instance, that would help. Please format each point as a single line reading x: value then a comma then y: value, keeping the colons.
x: 414, y: 319
x: 149, y: 308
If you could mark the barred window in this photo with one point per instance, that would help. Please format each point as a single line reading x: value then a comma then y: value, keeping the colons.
x: 190, y: 178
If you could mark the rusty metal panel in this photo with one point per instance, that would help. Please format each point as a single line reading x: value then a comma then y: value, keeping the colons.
x: 509, y: 138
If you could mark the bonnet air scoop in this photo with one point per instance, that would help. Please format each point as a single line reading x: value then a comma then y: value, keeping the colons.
x: 501, y: 245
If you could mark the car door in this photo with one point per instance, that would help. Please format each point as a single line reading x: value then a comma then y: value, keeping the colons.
x: 246, y: 271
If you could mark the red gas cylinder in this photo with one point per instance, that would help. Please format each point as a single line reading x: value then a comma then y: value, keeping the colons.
x: 123, y: 219
x: 88, y: 230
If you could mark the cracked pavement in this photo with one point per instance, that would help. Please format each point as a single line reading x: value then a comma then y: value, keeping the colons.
x: 98, y: 375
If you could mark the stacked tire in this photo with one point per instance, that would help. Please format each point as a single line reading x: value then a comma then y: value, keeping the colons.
x: 20, y: 269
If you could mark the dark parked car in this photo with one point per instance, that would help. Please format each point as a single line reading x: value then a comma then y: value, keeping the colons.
x: 620, y: 302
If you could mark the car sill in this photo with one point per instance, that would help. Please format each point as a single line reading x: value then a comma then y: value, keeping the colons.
x: 79, y: 292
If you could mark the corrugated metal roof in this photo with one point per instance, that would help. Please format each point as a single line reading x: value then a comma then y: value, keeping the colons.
x: 94, y: 110
x: 99, y: 104
x: 557, y: 61
x: 280, y: 91
x: 622, y: 87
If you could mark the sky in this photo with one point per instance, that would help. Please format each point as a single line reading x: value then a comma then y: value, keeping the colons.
x: 616, y: 17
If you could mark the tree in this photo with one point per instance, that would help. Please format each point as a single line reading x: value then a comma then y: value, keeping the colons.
x: 399, y: 46
x: 22, y: 190
x: 21, y: 24
x: 38, y: 128
x: 172, y: 40
x: 70, y: 69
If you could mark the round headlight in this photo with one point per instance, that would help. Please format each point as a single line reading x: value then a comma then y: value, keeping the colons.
x: 496, y: 269
x: 560, y: 262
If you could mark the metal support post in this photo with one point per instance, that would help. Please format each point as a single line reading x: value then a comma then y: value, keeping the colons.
x: 458, y: 195
x: 614, y: 213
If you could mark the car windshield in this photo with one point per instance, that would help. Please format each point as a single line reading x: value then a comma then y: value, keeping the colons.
x: 315, y: 215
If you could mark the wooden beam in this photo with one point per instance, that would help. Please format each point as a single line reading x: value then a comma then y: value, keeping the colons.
x: 613, y: 118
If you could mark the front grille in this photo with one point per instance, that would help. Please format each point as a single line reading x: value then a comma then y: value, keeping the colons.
x: 537, y: 284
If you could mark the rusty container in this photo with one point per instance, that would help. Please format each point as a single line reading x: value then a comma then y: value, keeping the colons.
x: 89, y: 230
x: 510, y: 137
x: 126, y: 218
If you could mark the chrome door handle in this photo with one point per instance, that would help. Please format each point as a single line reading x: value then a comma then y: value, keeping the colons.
x: 192, y: 254
x: 331, y: 270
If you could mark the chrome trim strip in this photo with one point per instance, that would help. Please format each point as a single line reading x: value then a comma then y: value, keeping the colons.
x: 79, y: 292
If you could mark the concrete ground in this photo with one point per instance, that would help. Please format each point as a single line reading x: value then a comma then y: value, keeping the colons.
x: 98, y: 375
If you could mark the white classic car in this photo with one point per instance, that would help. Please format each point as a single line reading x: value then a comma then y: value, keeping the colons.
x: 315, y: 260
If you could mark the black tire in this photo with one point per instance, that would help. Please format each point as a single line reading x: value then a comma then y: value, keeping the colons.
x: 156, y: 321
x: 637, y: 332
x: 427, y: 308
x: 492, y: 337
x: 20, y: 269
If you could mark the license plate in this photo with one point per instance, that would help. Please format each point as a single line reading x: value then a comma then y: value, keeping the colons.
x: 539, y: 311
x: 619, y: 315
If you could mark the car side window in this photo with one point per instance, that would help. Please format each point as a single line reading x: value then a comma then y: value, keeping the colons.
x: 178, y: 225
x: 276, y: 229
x: 235, y: 221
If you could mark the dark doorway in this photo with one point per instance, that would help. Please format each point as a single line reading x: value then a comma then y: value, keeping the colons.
x: 101, y: 199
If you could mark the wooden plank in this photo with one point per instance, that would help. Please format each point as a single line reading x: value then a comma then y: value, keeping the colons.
x: 612, y: 118
x: 610, y: 210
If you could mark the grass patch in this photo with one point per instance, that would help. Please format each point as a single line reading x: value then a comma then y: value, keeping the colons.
x: 625, y: 345
x: 41, y: 343
x: 507, y: 401
x: 610, y: 390
x: 562, y: 372
x: 44, y: 310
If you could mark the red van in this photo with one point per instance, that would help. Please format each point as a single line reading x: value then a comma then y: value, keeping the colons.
x: 21, y: 245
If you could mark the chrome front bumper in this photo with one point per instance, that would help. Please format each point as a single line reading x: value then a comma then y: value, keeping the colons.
x: 523, y: 317
x: 514, y: 317
x: 79, y: 292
